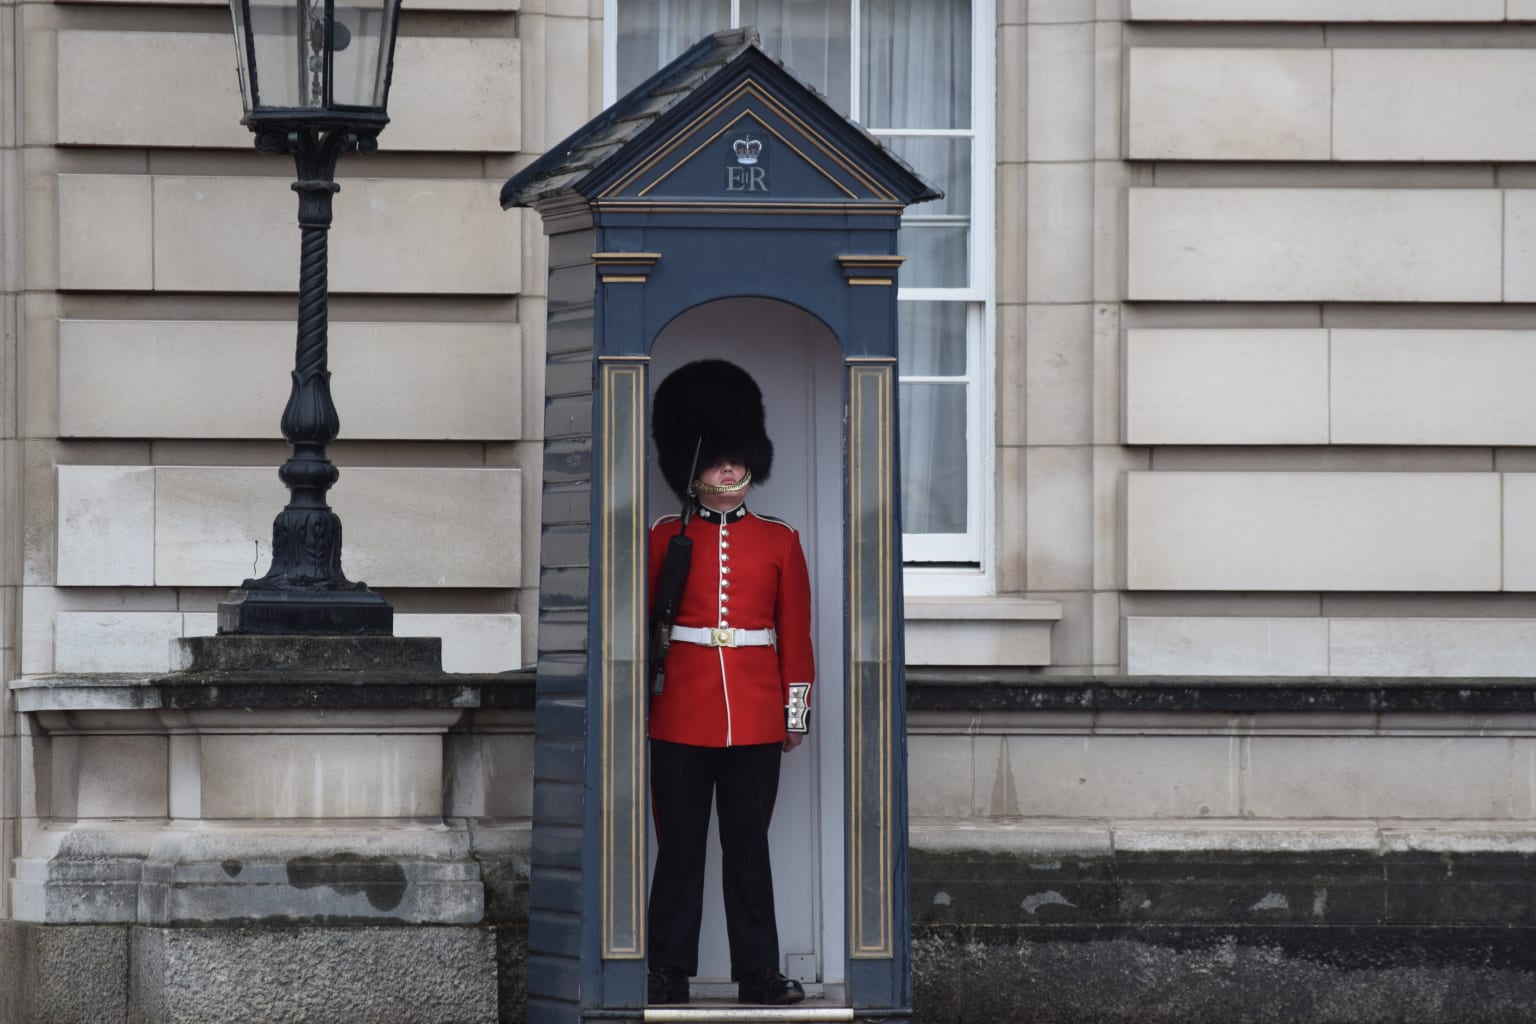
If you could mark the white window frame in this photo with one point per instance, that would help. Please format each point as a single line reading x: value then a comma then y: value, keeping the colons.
x: 938, y: 564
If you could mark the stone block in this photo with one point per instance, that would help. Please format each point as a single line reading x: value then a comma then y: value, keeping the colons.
x: 1013, y: 228
x: 1218, y: 103
x: 121, y: 88
x: 1012, y: 536
x: 1519, y: 245
x: 1519, y: 531
x: 1058, y: 379
x: 1108, y: 362
x: 1225, y: 646
x: 223, y: 876
x: 7, y: 870
x: 41, y: 605
x: 1318, y: 10
x: 1057, y: 11
x: 1059, y: 92
x: 568, y: 49
x: 1432, y: 104
x: 1432, y: 387
x: 207, y: 379
x: 979, y: 631
x: 403, y: 527
x: 383, y: 975
x: 213, y: 525
x: 1385, y: 777
x: 322, y: 776
x: 1059, y: 518
x: 114, y: 641
x: 1110, y: 464
x: 471, y: 643
x: 10, y: 751
x: 1012, y: 95
x: 433, y: 528
x: 180, y: 89
x: 1316, y: 244
x: 1009, y: 370
x: 120, y: 776
x: 1060, y: 233
x: 1432, y: 647
x: 63, y: 974
x: 1226, y: 387
x: 106, y: 526
x: 1113, y: 776
x: 452, y: 94
x: 238, y: 234
x: 1313, y: 531
x: 941, y: 776
x: 104, y: 241
x: 492, y: 774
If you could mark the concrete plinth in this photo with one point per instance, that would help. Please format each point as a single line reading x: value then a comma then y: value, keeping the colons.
x: 269, y: 834
x: 307, y: 974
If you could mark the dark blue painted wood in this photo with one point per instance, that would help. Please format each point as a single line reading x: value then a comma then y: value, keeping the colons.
x: 745, y: 184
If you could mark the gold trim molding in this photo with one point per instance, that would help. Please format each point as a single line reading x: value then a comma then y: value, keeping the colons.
x: 625, y: 267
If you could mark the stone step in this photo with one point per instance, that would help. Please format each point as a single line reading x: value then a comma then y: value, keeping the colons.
x: 709, y: 1011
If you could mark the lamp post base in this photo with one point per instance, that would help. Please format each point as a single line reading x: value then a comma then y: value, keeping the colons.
x: 320, y: 612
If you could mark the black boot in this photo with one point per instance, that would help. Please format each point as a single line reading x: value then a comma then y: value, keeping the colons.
x: 666, y: 985
x: 769, y: 987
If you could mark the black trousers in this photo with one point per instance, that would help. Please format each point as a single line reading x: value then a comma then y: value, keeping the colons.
x: 743, y: 782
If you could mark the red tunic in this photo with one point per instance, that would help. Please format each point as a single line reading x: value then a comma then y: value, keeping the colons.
x: 748, y: 572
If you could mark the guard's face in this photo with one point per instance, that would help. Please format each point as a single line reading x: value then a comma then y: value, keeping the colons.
x: 724, y: 473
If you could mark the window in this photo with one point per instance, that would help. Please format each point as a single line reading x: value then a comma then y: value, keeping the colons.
x: 917, y: 74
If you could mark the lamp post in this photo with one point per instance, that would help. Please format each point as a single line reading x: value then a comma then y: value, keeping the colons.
x: 314, y: 78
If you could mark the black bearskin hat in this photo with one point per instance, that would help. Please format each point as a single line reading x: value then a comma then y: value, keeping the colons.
x: 715, y: 406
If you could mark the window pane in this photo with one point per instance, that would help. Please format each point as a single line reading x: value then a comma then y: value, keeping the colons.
x: 810, y: 37
x: 652, y: 33
x: 937, y: 255
x: 933, y: 458
x: 916, y: 63
x: 931, y: 338
x: 945, y: 162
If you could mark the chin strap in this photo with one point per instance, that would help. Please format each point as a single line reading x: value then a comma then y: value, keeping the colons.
x: 797, y: 714
x: 736, y: 488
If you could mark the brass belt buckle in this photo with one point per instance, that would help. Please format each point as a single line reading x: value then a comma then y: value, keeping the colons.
x: 719, y: 637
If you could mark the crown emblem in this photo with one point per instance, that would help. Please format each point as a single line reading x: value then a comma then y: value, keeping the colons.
x: 747, y: 150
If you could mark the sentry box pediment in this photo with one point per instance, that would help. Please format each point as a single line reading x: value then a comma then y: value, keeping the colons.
x: 723, y: 124
x: 721, y: 208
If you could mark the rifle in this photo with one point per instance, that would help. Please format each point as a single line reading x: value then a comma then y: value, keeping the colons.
x: 669, y: 586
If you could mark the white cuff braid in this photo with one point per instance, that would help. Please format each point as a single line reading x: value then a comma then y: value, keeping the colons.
x: 797, y: 713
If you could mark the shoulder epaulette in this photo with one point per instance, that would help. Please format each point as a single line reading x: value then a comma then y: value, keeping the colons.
x: 776, y: 520
x: 674, y: 517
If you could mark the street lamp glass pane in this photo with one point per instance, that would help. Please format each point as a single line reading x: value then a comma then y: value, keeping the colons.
x: 289, y: 67
x: 361, y: 54
x: 242, y: 63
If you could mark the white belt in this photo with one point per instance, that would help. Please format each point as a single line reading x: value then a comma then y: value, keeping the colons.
x: 709, y: 637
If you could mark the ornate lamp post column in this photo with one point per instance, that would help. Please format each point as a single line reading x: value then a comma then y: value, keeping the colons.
x: 314, y: 78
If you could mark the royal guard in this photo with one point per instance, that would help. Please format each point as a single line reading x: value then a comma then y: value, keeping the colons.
x: 732, y: 674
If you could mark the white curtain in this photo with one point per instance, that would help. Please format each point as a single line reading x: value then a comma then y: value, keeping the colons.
x: 652, y: 33
x: 811, y: 38
x: 914, y: 73
x: 917, y: 74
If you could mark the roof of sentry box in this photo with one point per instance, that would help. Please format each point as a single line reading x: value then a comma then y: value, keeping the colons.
x: 642, y: 114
